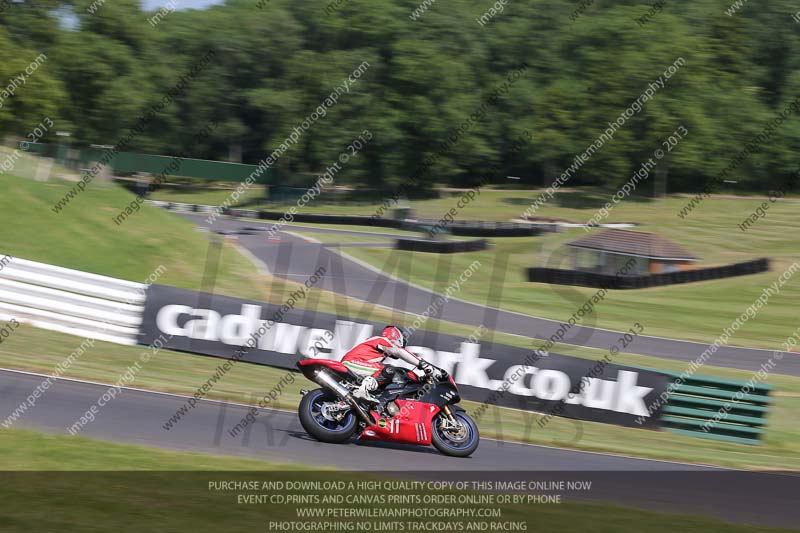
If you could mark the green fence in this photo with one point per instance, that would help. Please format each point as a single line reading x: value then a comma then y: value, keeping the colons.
x: 715, y: 408
x: 131, y: 162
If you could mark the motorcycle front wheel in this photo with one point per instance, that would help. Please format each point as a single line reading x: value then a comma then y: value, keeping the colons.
x: 318, y: 425
x: 457, y: 441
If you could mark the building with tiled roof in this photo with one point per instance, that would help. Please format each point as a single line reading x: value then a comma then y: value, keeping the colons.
x: 631, y: 253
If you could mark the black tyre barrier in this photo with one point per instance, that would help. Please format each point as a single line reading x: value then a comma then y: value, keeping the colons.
x: 310, y: 218
x: 242, y: 231
x: 178, y: 206
x: 521, y: 230
x: 441, y: 247
x: 464, y: 229
x: 589, y: 279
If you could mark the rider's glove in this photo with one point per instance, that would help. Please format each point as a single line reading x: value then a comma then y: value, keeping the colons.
x: 428, y: 369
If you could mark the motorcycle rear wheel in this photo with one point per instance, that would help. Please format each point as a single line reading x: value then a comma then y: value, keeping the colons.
x: 319, y: 427
x: 451, y: 444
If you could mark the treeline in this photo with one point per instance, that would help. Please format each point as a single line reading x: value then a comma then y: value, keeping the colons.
x: 580, y: 66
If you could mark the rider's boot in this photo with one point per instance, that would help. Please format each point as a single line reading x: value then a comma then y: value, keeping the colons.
x: 368, y: 384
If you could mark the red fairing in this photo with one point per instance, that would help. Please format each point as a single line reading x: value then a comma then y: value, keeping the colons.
x: 412, y: 425
x: 333, y: 365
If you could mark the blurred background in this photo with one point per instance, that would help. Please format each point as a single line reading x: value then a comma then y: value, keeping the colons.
x: 431, y: 64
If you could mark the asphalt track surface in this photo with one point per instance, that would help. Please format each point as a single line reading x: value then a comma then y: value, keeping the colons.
x: 291, y: 257
x: 137, y: 417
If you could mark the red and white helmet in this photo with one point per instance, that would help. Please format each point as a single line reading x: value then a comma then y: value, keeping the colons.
x: 397, y: 336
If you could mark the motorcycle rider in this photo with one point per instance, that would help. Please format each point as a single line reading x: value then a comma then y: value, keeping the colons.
x: 366, y: 359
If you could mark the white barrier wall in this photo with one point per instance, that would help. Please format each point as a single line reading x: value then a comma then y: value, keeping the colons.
x: 71, y: 301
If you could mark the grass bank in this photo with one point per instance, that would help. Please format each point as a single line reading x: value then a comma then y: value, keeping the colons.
x: 84, y: 236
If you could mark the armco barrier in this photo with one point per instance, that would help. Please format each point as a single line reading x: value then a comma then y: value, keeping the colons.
x: 715, y: 408
x: 590, y: 279
x: 71, y: 301
x: 441, y: 247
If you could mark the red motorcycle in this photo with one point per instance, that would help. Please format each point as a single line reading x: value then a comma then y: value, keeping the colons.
x: 411, y: 410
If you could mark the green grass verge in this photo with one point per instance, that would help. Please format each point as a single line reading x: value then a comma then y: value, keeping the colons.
x: 84, y: 236
x: 26, y: 450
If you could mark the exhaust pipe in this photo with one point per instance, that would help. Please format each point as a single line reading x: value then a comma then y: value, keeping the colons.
x: 326, y: 380
x: 322, y: 377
